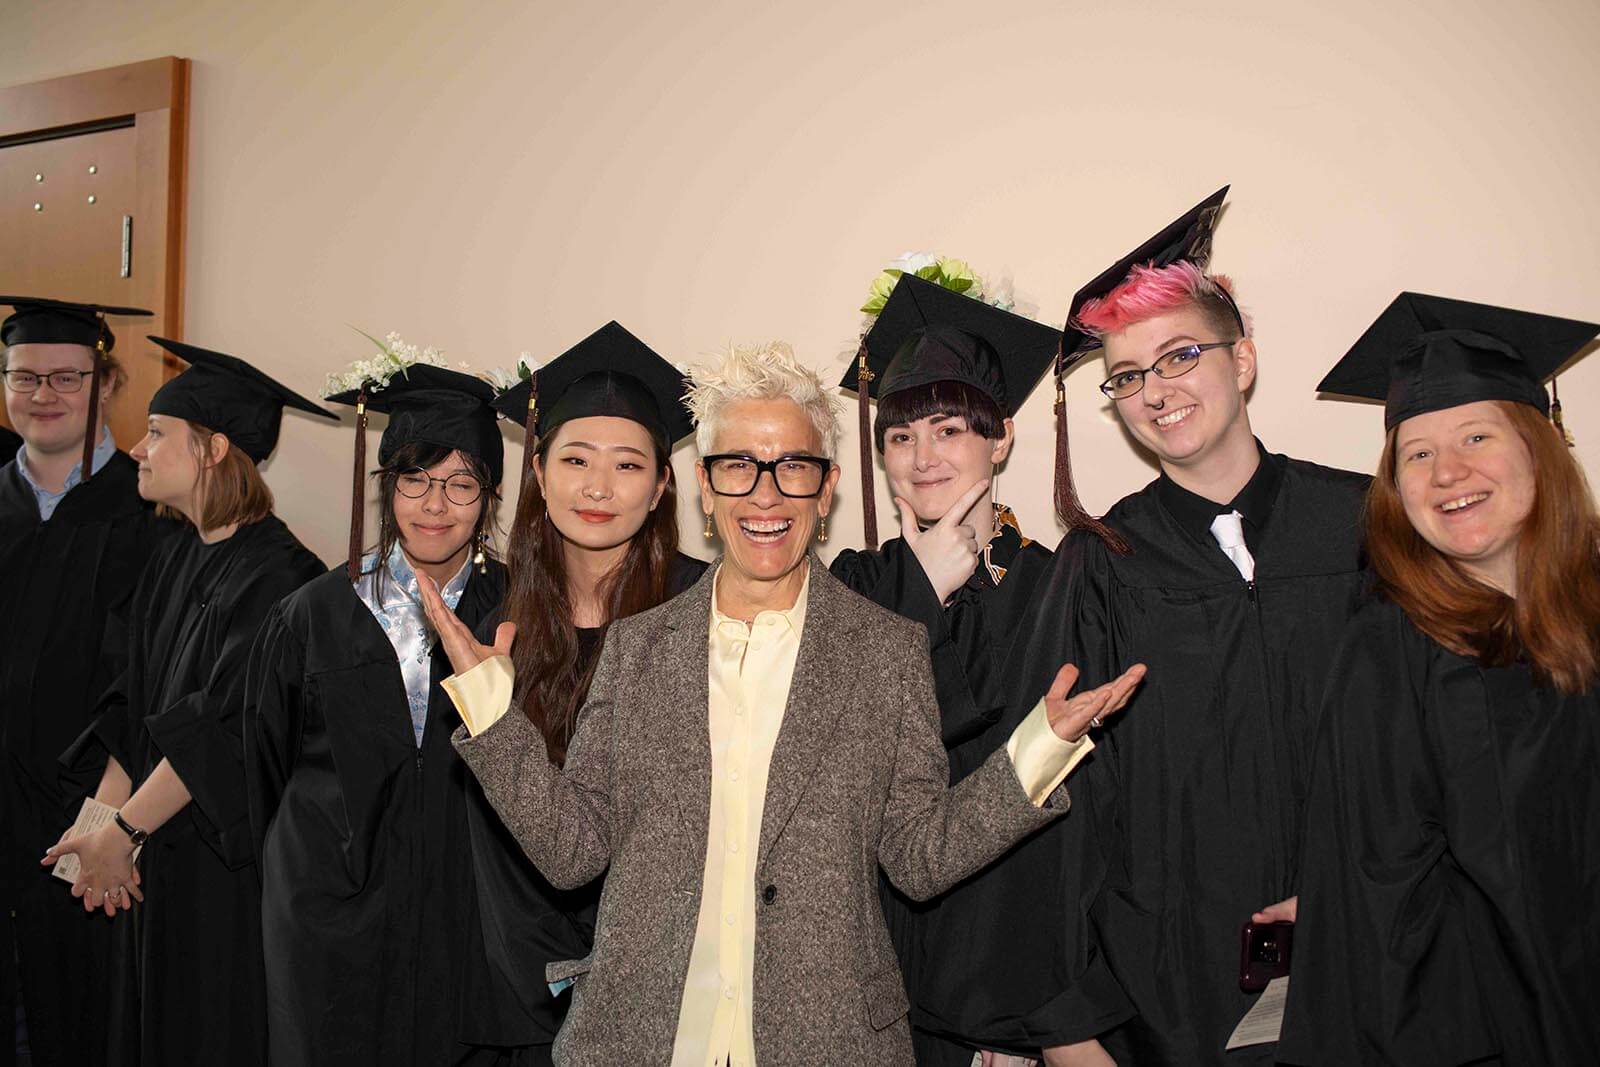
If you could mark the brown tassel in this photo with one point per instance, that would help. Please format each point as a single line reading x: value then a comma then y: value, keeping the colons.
x: 525, y: 524
x: 91, y: 435
x: 530, y: 430
x: 1068, y: 509
x: 869, y: 504
x: 1555, y: 416
x: 358, y: 495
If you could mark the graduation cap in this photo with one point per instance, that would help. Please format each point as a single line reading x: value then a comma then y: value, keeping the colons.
x: 1428, y: 353
x: 226, y: 395
x: 926, y: 334
x: 426, y: 405
x: 1185, y: 239
x: 40, y: 321
x: 609, y: 373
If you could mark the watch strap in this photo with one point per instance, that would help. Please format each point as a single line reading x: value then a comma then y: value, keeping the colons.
x: 137, y: 836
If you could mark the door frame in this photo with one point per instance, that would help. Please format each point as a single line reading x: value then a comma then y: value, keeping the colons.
x: 154, y: 94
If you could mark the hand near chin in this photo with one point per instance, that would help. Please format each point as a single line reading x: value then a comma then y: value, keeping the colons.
x: 460, y: 645
x: 948, y: 550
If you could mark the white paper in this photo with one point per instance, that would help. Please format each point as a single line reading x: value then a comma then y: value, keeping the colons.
x: 91, y: 817
x: 1264, y: 1021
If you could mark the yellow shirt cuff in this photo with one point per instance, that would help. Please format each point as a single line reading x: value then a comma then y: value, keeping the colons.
x: 1041, y: 759
x: 482, y: 694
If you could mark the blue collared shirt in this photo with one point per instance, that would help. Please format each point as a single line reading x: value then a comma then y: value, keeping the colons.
x: 400, y: 614
x: 48, y: 500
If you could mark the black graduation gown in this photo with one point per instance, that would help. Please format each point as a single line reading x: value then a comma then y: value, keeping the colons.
x: 64, y: 590
x: 9, y: 443
x: 525, y: 923
x: 1186, y: 816
x: 1451, y: 869
x: 187, y: 963
x: 968, y: 640
x: 368, y: 905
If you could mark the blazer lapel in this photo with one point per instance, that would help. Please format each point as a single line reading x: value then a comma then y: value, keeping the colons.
x: 813, y: 706
x: 683, y: 656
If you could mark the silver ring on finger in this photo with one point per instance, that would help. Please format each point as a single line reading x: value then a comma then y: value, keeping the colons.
x: 1095, y: 721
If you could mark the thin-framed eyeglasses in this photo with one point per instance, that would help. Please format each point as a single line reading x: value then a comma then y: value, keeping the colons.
x: 62, y: 381
x: 1169, y: 365
x: 736, y: 474
x: 459, y: 489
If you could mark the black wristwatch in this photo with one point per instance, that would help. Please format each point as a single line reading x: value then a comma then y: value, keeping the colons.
x: 137, y: 836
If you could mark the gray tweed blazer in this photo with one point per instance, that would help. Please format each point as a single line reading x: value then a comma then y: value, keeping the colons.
x: 858, y: 782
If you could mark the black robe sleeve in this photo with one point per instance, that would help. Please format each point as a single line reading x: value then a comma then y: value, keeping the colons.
x: 201, y: 732
x: 273, y: 717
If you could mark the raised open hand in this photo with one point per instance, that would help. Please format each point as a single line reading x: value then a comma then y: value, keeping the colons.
x: 947, y: 550
x: 459, y: 642
x: 1072, y: 718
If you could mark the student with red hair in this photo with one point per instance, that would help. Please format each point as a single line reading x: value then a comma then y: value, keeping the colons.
x: 1453, y: 835
x: 1231, y: 575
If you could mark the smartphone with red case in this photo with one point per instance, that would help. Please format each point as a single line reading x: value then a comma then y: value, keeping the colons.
x: 1264, y: 950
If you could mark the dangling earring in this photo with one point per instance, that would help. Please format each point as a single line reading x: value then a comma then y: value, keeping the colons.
x: 710, y: 533
x: 478, y: 557
x: 822, y: 530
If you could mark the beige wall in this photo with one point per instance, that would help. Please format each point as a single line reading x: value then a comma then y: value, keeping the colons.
x: 498, y: 177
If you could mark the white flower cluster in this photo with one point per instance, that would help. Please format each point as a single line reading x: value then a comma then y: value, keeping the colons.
x: 374, y: 373
x: 503, y: 378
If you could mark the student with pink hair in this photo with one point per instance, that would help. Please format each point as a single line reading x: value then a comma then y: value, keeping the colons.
x: 1231, y: 575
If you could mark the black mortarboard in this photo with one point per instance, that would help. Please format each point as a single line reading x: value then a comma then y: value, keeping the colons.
x: 228, y: 396
x: 1428, y: 353
x: 927, y: 333
x: 426, y: 405
x: 611, y: 372
x: 1188, y: 239
x: 37, y: 320
x: 435, y: 406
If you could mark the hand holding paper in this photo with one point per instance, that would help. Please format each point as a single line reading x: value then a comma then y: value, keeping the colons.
x: 98, y: 859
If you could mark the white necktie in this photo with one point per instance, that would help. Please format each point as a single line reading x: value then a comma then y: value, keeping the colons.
x: 1228, y: 529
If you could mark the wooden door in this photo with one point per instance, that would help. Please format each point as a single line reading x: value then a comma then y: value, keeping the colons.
x: 91, y: 207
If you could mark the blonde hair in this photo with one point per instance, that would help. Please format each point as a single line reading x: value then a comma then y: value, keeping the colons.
x: 760, y: 372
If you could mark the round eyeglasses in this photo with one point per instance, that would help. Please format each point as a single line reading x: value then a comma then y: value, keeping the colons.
x: 459, y: 489
x: 736, y: 474
x: 61, y: 381
x: 1169, y: 365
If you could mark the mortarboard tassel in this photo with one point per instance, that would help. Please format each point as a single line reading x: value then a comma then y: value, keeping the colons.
x: 524, y: 526
x: 358, y: 496
x: 91, y: 437
x: 530, y: 429
x: 869, y: 509
x: 1555, y: 416
x: 1068, y: 508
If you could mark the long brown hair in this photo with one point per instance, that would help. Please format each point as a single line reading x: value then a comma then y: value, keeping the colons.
x: 1554, y: 620
x: 231, y: 490
x: 551, y: 684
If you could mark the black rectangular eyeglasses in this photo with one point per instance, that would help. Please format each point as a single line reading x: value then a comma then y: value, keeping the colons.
x: 736, y: 474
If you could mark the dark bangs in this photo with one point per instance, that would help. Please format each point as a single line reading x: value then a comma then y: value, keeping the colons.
x: 948, y: 399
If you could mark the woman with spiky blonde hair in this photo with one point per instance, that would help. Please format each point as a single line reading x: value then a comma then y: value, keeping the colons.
x: 751, y: 754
